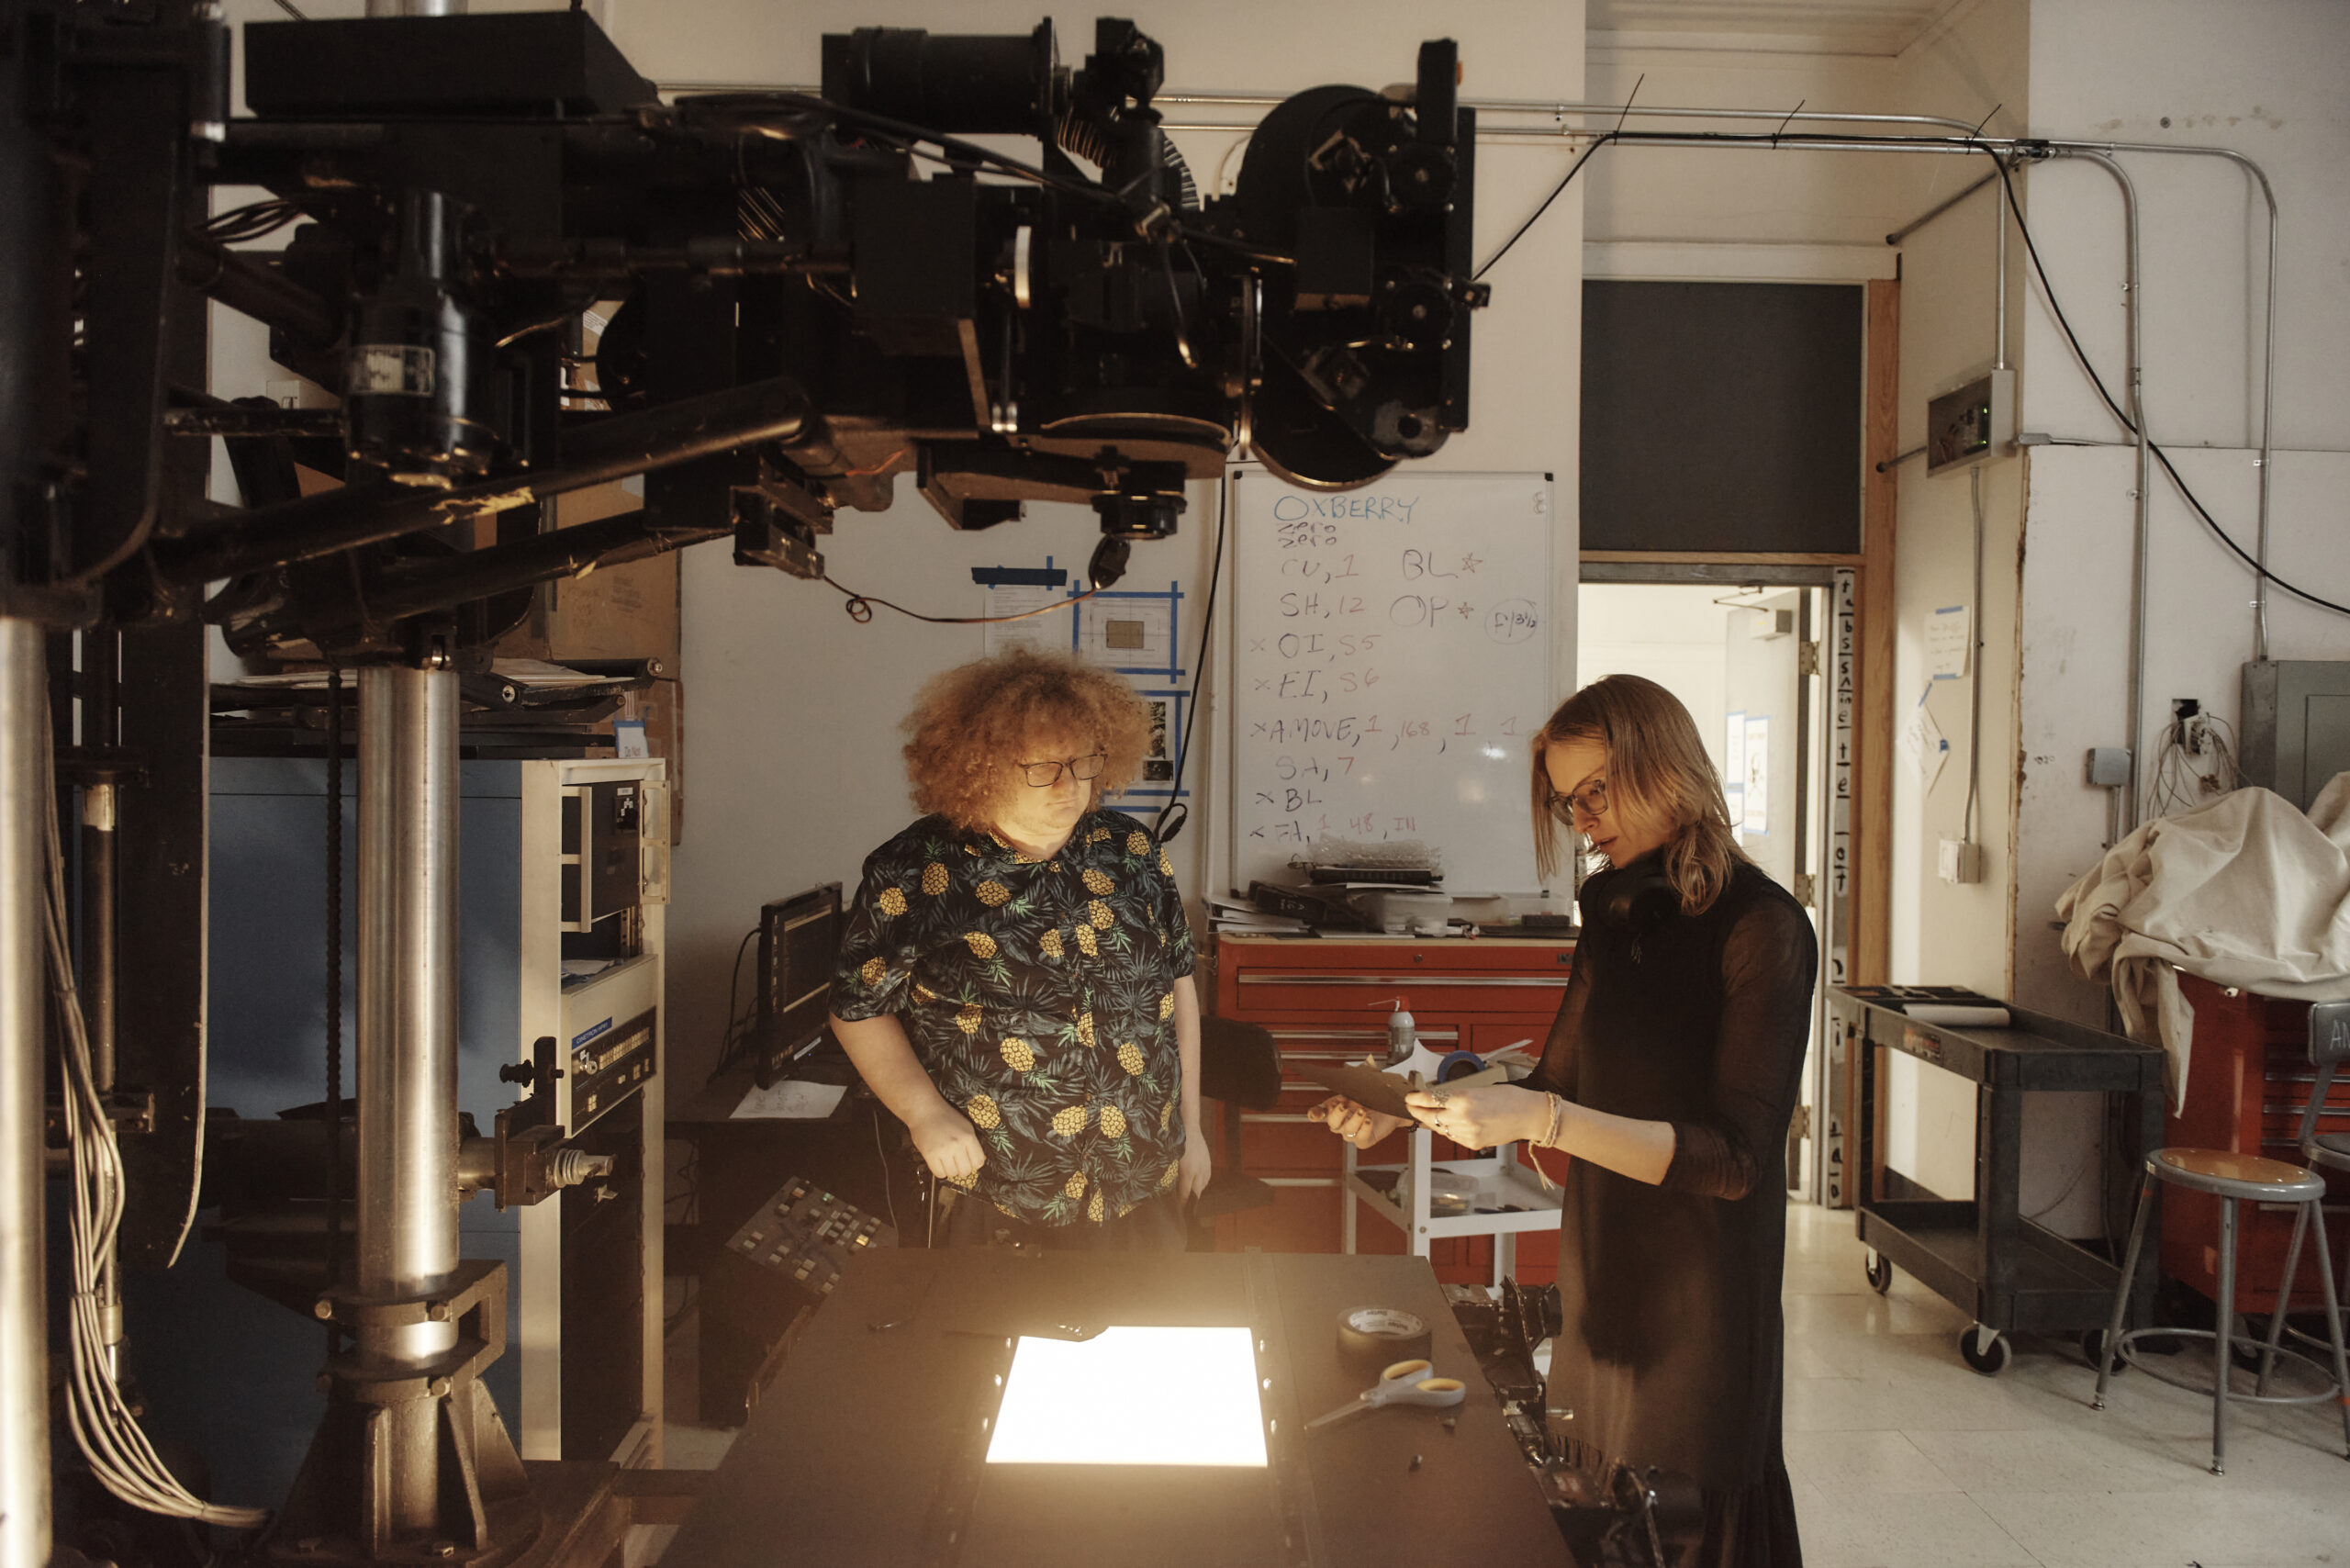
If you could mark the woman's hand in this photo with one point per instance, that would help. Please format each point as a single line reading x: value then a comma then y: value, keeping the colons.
x: 1192, y: 1171
x: 1481, y: 1117
x: 949, y: 1144
x: 1352, y: 1122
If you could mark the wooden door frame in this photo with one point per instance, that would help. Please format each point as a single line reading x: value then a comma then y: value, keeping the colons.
x: 1868, y: 936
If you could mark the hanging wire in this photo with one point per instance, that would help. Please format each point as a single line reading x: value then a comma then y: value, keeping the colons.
x: 104, y: 1426
x: 860, y: 609
x: 1176, y: 808
x: 2080, y: 356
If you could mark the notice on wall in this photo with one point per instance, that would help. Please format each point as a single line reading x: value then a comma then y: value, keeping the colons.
x: 1045, y: 633
x: 1127, y: 632
x: 1922, y: 742
x: 1755, y: 817
x: 1949, y: 640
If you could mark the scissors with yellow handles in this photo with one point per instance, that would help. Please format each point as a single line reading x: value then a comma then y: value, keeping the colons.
x: 1404, y: 1383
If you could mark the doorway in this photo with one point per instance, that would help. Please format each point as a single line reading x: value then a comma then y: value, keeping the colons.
x: 1744, y: 658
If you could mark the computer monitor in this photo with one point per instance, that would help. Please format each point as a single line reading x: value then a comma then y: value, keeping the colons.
x: 799, y: 940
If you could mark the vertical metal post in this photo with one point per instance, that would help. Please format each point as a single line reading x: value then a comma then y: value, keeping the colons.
x: 101, y: 670
x: 406, y: 1050
x: 2134, y: 405
x: 24, y: 1329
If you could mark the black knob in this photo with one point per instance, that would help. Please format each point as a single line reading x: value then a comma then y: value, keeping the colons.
x: 522, y: 1072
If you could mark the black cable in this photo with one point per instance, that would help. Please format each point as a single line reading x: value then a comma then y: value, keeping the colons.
x: 287, y: 7
x: 2081, y: 355
x: 1175, y: 802
x: 860, y: 609
x: 889, y: 1198
x: 734, y: 989
x: 1558, y: 191
x: 334, y: 986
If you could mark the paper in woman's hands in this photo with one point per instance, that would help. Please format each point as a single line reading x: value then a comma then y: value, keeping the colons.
x: 1374, y: 1089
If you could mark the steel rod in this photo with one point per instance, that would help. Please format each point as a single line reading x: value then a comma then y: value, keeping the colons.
x: 23, y: 992
x: 1555, y: 107
x: 1937, y: 210
x: 615, y: 448
x: 2134, y: 310
x: 256, y: 289
x: 406, y: 1053
x: 2267, y: 353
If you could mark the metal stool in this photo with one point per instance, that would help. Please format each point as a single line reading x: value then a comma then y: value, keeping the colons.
x: 2328, y: 1047
x: 2234, y: 1178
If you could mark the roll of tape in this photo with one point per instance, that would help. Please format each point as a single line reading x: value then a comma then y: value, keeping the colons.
x: 1457, y: 1064
x: 1375, y: 1336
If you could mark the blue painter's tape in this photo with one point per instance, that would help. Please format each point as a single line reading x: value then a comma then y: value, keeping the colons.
x: 1019, y: 576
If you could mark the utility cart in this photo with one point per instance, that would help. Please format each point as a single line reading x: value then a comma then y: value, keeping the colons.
x: 1982, y: 1254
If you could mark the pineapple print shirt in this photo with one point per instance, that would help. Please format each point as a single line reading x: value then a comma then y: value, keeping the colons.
x: 1040, y: 996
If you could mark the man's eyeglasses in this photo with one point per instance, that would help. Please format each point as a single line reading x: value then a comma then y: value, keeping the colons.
x: 1591, y: 801
x: 1044, y: 775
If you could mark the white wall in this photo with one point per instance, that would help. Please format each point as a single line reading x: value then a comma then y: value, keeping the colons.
x: 2264, y: 79
x: 1662, y: 212
x: 792, y: 744
x: 1672, y: 633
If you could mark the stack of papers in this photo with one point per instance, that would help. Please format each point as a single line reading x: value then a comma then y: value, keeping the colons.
x: 1239, y: 915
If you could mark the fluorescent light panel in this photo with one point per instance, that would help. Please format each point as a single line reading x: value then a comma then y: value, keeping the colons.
x: 1133, y: 1396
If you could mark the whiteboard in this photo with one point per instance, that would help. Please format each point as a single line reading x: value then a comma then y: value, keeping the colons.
x: 1390, y: 660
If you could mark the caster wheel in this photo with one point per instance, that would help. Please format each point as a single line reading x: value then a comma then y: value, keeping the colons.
x: 1880, y: 1272
x: 1983, y: 1349
x: 2092, y: 1342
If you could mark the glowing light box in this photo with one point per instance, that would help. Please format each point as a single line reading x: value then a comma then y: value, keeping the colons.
x: 1133, y: 1396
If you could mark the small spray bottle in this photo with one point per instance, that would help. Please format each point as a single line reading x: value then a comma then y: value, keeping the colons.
x: 1402, y: 1034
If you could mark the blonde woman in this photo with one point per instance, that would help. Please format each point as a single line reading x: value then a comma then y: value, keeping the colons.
x: 1669, y: 1076
x: 1015, y: 979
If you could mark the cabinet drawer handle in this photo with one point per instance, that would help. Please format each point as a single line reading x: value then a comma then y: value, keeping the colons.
x: 1417, y: 983
x: 1378, y: 1034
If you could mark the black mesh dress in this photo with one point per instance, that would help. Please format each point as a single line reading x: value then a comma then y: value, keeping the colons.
x: 1670, y: 1350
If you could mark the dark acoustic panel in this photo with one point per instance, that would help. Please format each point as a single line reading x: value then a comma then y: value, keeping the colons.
x: 1721, y: 417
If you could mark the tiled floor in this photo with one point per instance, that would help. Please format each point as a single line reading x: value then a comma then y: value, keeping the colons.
x: 1904, y: 1458
x: 1902, y: 1455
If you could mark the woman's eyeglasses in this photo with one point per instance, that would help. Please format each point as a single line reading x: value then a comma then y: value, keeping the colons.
x: 1591, y: 801
x: 1044, y: 775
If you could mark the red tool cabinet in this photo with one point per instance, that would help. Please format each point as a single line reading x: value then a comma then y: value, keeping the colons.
x: 2248, y: 1082
x: 1326, y: 1000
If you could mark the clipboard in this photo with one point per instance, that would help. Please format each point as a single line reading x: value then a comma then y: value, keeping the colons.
x: 1375, y: 1088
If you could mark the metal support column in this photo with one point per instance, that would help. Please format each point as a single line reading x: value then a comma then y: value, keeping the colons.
x: 24, y: 1331
x: 101, y: 670
x: 406, y: 1053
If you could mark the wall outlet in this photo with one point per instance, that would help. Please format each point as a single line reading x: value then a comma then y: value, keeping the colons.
x: 1961, y: 861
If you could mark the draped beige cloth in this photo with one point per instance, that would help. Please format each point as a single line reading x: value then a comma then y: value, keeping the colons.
x: 2246, y: 891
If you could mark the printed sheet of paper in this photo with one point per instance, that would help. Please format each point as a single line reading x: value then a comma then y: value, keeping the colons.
x: 790, y: 1100
x: 1922, y: 742
x: 1047, y: 632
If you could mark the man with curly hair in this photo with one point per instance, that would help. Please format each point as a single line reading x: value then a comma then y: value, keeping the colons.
x: 1015, y: 973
